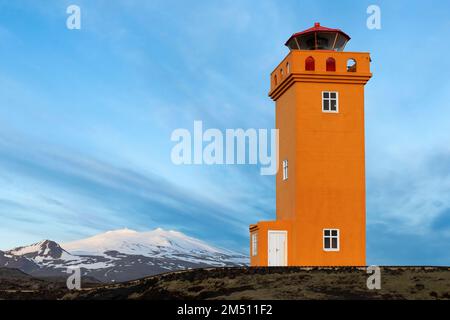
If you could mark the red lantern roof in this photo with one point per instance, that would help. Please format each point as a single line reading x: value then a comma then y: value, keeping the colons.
x: 318, y: 38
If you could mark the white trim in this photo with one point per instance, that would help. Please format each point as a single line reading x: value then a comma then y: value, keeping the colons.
x: 285, y: 245
x: 331, y: 237
x: 329, y: 99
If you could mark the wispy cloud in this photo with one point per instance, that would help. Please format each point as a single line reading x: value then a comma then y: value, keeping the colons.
x: 50, y: 186
x: 411, y: 194
x: 408, y: 211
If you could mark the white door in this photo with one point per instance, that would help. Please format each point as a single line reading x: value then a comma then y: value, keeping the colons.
x: 277, y: 248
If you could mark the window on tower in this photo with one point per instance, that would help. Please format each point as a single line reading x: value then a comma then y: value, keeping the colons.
x: 330, y: 101
x: 331, y: 64
x: 351, y: 65
x: 331, y: 239
x: 310, y: 64
x: 285, y: 169
x: 254, y: 244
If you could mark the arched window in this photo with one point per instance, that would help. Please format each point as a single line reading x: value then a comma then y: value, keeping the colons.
x: 331, y: 64
x: 351, y: 65
x: 288, y: 68
x: 310, y: 64
x: 275, y: 81
x: 282, y: 73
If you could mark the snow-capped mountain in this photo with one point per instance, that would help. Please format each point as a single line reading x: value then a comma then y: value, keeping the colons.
x: 156, y: 243
x: 41, y: 251
x: 120, y: 255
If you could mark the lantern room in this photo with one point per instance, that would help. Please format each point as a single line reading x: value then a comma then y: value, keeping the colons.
x: 318, y: 38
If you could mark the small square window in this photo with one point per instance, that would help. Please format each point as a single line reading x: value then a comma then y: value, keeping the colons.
x: 331, y: 240
x: 330, y: 101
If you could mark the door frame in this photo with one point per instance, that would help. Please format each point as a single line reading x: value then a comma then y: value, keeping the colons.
x: 285, y: 245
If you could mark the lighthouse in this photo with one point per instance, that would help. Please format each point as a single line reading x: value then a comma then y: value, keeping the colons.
x: 318, y: 90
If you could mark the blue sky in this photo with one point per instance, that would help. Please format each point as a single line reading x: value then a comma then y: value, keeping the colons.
x: 86, y: 117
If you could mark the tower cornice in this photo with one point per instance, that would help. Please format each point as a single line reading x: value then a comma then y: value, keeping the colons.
x: 322, y: 77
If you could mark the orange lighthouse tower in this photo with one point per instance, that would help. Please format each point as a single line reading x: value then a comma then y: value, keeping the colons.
x: 318, y: 90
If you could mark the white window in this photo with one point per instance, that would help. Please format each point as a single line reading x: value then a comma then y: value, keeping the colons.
x: 330, y: 101
x: 285, y: 169
x: 254, y: 244
x: 331, y: 239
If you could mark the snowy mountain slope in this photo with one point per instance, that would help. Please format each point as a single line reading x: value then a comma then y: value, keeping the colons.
x: 43, y: 250
x: 17, y: 262
x: 120, y: 255
x: 156, y: 243
x: 48, y: 255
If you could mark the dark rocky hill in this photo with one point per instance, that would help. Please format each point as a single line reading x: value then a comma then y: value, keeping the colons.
x: 281, y: 283
x: 245, y: 283
x: 15, y: 284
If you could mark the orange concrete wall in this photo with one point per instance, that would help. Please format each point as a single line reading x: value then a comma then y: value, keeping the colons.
x: 286, y: 118
x: 330, y: 177
x: 326, y: 185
